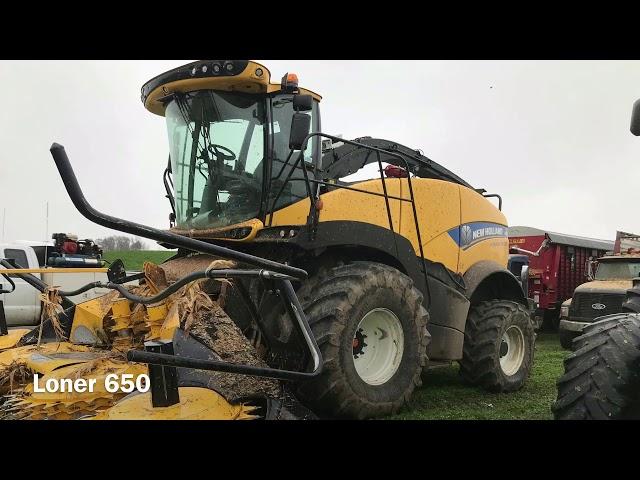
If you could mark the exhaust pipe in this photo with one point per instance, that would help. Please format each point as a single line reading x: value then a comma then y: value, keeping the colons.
x: 77, y: 197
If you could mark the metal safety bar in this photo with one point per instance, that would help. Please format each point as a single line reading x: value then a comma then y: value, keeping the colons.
x: 295, y: 309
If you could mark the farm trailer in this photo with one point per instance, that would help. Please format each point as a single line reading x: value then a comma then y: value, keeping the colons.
x: 558, y: 263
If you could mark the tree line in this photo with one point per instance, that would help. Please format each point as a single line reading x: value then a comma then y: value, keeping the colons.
x: 120, y: 242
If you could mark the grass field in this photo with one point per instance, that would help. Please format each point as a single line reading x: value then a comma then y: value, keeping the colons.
x: 443, y: 396
x: 133, y: 259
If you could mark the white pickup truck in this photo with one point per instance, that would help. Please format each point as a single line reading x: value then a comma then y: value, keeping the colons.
x: 22, y: 306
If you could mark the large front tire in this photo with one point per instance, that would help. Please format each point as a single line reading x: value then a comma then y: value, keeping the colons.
x: 370, y: 325
x: 498, y: 346
x: 602, y: 375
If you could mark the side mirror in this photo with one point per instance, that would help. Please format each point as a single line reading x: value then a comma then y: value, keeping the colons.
x: 587, y: 271
x: 302, y: 103
x: 635, y: 119
x: 300, y: 126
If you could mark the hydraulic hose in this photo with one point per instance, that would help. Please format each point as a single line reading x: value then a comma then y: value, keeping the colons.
x: 174, y: 287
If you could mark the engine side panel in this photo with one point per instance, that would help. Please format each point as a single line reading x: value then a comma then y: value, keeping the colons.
x: 347, y: 205
x: 483, y: 232
x: 458, y: 226
x: 438, y: 211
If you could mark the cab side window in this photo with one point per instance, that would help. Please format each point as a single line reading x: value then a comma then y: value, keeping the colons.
x: 295, y: 189
x: 282, y: 108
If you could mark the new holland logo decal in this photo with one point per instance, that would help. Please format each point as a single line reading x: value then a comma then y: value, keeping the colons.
x: 468, y: 234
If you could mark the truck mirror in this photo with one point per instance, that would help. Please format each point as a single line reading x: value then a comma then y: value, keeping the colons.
x: 302, y: 103
x: 524, y: 280
x: 635, y: 118
x: 589, y: 270
x: 300, y: 125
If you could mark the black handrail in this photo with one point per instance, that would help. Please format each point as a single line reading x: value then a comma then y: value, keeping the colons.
x: 77, y: 197
x: 168, y: 186
x: 411, y: 198
x: 494, y: 195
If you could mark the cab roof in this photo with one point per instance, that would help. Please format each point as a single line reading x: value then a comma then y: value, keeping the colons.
x: 226, y: 75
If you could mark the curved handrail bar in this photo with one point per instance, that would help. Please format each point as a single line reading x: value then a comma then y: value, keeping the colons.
x: 77, y: 197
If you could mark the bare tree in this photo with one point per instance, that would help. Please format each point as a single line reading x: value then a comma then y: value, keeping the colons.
x: 121, y: 242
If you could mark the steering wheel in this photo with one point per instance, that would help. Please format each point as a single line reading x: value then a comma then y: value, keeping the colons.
x: 219, y: 152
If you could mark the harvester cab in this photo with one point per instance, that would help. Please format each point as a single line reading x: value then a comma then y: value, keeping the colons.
x: 320, y: 292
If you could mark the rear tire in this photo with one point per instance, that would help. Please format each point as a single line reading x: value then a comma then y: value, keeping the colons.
x: 498, y: 346
x: 602, y: 376
x: 357, y: 312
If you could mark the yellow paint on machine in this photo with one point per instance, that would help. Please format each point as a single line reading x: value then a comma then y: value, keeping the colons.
x: 171, y: 323
x: 12, y: 338
x: 476, y: 208
x: 88, y: 320
x: 438, y: 211
x: 346, y: 205
x: 254, y: 224
x: 23, y: 354
x: 440, y: 207
x: 495, y: 249
x: 195, y: 404
x: 246, y: 82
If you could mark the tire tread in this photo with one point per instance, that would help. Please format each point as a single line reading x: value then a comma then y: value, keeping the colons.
x: 602, y: 376
x: 325, y: 298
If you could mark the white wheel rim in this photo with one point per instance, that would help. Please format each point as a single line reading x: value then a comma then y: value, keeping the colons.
x: 511, y: 350
x: 378, y: 345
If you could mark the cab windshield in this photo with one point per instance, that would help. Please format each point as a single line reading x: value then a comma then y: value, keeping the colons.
x: 619, y: 270
x: 217, y: 146
x: 217, y: 142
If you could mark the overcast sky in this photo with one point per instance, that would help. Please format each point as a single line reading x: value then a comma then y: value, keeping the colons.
x: 551, y: 137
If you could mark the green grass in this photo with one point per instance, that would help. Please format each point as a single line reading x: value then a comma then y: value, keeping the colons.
x: 443, y: 396
x: 133, y: 259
